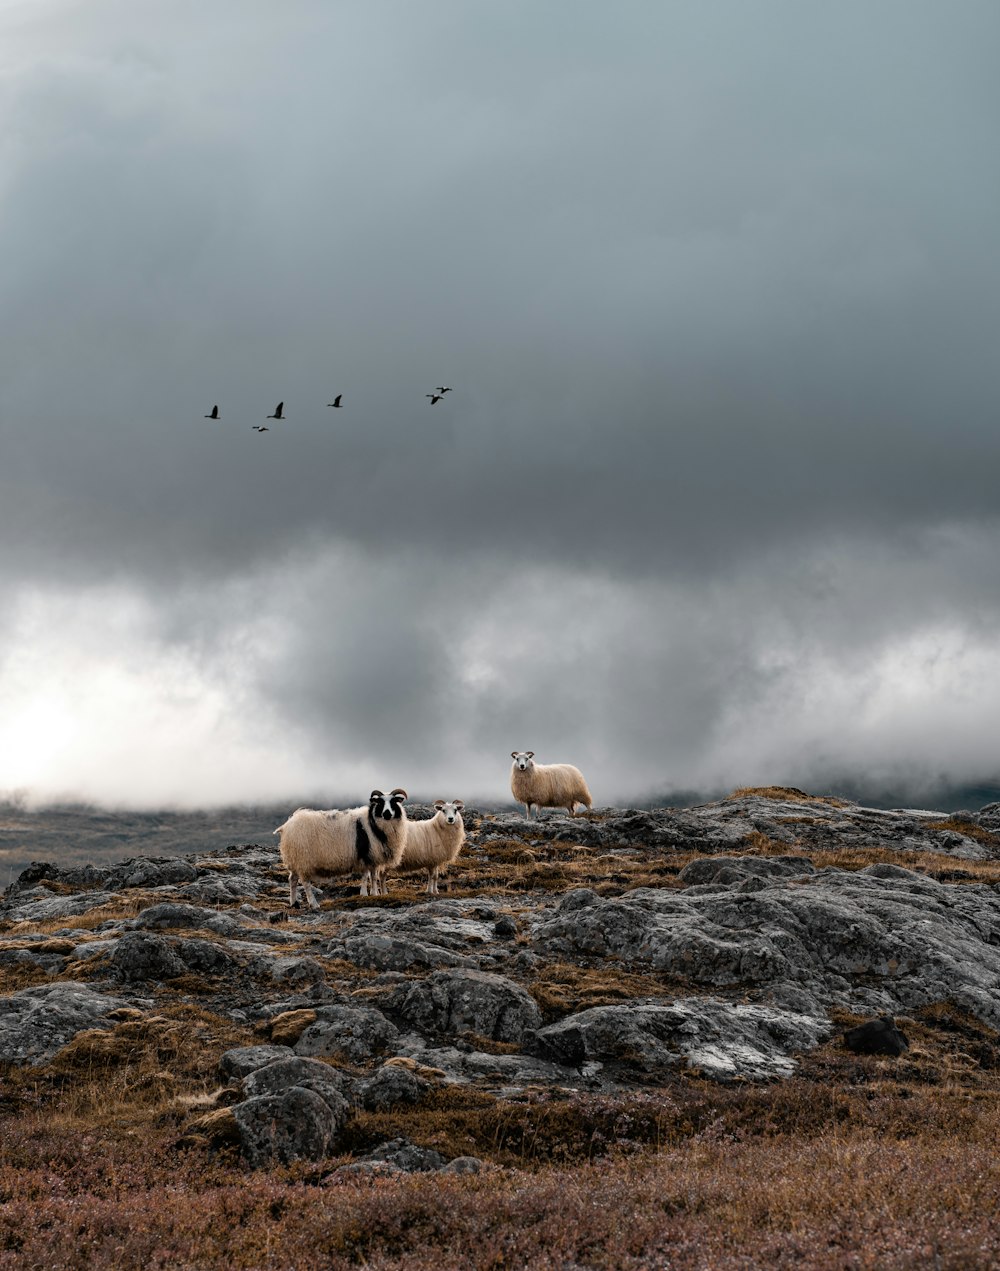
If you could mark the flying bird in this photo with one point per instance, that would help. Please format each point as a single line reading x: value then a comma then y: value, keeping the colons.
x: 262, y: 427
x: 336, y: 400
x: 442, y: 389
x: 435, y: 397
x: 277, y: 411
x: 214, y: 414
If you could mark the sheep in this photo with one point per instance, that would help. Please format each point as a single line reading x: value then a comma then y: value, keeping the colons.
x: 551, y: 785
x: 318, y: 845
x: 434, y: 843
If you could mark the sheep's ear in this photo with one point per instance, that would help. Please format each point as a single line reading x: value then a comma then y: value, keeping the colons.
x: 439, y: 803
x: 530, y: 754
x: 399, y: 793
x: 459, y: 804
x: 513, y: 754
x: 375, y: 794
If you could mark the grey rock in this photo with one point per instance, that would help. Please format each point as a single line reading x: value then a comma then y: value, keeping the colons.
x: 47, y: 962
x: 883, y: 938
x: 45, y: 907
x: 205, y: 956
x: 737, y: 869
x: 171, y: 914
x: 405, y: 1156
x: 466, y: 1065
x: 722, y: 1039
x: 389, y: 1086
x: 36, y: 1023
x: 141, y: 956
x: 151, y: 871
x: 394, y: 953
x: 296, y: 971
x: 311, y: 1074
x: 354, y: 1032
x: 243, y: 1060
x: 462, y: 1165
x: 468, y: 1001
x: 297, y: 1124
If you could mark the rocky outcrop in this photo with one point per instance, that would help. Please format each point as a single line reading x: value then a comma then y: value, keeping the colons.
x: 880, y: 939
x: 715, y: 940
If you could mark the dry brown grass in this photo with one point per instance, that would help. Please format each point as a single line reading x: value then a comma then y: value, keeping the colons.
x: 130, y: 1070
x: 790, y: 793
x: 562, y: 988
x: 970, y: 830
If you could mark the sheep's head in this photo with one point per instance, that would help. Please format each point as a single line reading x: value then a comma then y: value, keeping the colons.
x: 387, y: 808
x: 522, y: 759
x: 452, y: 812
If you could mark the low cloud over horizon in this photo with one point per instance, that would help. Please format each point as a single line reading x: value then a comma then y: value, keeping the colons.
x: 713, y: 501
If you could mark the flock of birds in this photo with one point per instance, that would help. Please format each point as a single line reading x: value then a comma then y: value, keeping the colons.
x: 279, y: 410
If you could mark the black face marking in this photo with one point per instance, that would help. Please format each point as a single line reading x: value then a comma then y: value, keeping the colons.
x: 375, y: 827
x: 361, y: 844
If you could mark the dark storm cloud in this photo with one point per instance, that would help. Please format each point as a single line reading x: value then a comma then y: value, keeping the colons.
x: 717, y: 289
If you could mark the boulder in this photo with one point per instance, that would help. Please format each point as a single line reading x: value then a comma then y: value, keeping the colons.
x: 721, y: 1039
x: 468, y: 1001
x: 355, y: 1033
x: 140, y: 956
x: 297, y: 1124
x: 310, y: 1074
x: 36, y: 1023
x: 243, y: 1060
x: 389, y: 1086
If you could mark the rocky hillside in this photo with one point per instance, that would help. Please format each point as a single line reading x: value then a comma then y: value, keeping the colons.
x: 578, y: 963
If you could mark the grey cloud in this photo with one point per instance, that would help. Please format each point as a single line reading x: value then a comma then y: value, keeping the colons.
x: 716, y: 289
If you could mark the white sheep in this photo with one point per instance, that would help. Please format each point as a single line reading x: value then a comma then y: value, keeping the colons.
x: 546, y: 785
x: 434, y: 843
x: 318, y: 845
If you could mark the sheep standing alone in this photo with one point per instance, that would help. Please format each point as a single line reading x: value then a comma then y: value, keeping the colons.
x: 316, y: 845
x: 434, y: 843
x: 546, y: 785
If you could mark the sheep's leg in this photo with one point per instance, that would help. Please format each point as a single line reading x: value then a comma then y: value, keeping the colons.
x: 429, y: 889
x: 293, y: 889
x: 364, y: 882
x: 527, y: 811
x: 310, y: 897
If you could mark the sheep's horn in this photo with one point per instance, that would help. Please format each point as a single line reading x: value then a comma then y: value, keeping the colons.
x: 439, y: 803
x: 375, y: 794
x: 398, y: 791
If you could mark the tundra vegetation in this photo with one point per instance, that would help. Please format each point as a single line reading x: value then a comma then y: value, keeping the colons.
x: 120, y: 1137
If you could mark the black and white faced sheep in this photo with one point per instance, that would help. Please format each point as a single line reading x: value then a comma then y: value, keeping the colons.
x: 552, y: 785
x: 433, y: 844
x: 320, y: 845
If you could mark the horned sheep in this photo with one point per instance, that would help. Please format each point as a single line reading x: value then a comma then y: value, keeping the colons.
x: 433, y: 844
x: 319, y: 845
x: 546, y: 785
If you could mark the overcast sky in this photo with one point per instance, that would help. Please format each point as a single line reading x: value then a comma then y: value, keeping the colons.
x: 715, y: 500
